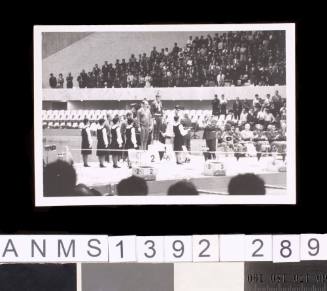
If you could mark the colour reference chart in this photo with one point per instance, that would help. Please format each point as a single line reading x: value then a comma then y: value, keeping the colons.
x: 163, y: 263
x: 222, y: 276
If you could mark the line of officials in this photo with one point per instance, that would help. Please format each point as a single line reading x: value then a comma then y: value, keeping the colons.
x: 136, y: 130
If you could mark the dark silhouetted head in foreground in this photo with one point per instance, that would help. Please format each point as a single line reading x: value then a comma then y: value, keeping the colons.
x: 246, y: 184
x: 83, y: 190
x: 132, y: 186
x: 59, y: 179
x: 182, y: 188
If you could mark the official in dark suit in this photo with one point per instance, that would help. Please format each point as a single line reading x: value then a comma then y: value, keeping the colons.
x: 237, y: 108
x: 216, y: 106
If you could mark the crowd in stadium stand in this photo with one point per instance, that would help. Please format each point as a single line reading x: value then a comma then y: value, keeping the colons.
x: 222, y: 59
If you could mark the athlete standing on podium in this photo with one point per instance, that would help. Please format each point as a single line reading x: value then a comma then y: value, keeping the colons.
x: 179, y: 133
x: 157, y: 112
x: 145, y: 122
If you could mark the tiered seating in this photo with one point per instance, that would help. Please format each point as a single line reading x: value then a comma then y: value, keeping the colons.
x: 70, y: 118
x: 74, y: 118
x: 234, y: 58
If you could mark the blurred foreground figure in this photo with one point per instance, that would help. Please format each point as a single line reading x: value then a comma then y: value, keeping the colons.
x: 246, y: 184
x: 132, y: 186
x: 182, y: 188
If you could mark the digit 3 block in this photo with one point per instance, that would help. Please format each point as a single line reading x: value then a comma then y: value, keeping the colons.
x: 214, y: 168
x: 146, y: 172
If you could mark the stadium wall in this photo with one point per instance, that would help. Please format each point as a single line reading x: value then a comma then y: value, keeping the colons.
x: 53, y: 42
x: 172, y: 94
x: 123, y: 105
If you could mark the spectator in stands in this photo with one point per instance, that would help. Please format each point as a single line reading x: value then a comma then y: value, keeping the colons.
x: 277, y: 103
x: 100, y: 81
x: 132, y: 186
x: 268, y: 117
x: 244, y: 116
x: 220, y: 79
x: 261, y: 140
x: 282, y: 114
x: 246, y: 184
x: 96, y: 70
x: 247, y: 133
x: 230, y: 116
x: 260, y: 115
x: 216, y: 106
x: 257, y: 101
x: 60, y: 81
x: 52, y: 81
x: 59, y: 179
x: 82, y: 79
x: 237, y: 108
x: 175, y: 50
x: 223, y: 105
x: 251, y: 118
x: 148, y: 81
x: 267, y: 101
x: 182, y: 188
x: 105, y: 72
x: 69, y: 80
x: 189, y: 42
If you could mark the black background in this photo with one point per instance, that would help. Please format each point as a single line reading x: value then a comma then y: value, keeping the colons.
x: 17, y: 211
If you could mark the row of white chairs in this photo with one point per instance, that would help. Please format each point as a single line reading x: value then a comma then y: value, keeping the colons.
x: 75, y: 115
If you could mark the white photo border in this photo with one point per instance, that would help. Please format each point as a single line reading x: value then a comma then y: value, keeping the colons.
x: 290, y: 198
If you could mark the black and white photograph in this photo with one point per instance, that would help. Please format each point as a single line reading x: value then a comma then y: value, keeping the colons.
x: 165, y: 114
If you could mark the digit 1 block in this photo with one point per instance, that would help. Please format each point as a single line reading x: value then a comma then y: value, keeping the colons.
x: 122, y: 249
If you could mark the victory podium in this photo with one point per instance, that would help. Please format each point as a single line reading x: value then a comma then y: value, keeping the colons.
x: 148, y: 173
x: 214, y: 168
